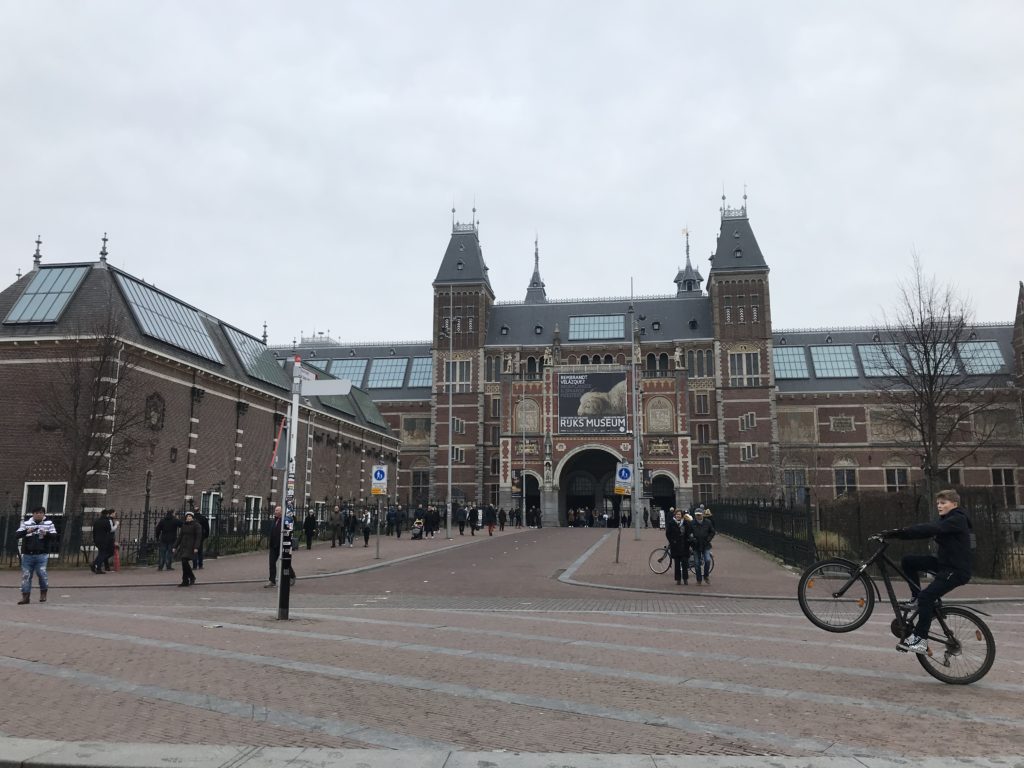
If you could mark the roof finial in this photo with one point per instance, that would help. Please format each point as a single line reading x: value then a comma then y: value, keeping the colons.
x: 103, y: 250
x: 264, y: 331
x: 474, y: 211
x: 536, y: 250
x: 744, y: 199
x: 38, y: 257
x: 17, y: 274
x: 686, y: 233
x: 453, y: 214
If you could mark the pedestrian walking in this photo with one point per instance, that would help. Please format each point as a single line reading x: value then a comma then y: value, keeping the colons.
x: 186, y: 549
x: 502, y: 519
x: 166, y: 536
x: 351, y: 520
x: 703, y: 533
x: 335, y: 523
x: 490, y: 519
x: 103, y: 539
x: 679, y: 534
x: 462, y: 517
x: 309, y: 529
x: 36, y: 533
x: 367, y: 522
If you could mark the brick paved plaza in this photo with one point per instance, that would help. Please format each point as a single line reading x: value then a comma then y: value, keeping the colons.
x: 482, y: 644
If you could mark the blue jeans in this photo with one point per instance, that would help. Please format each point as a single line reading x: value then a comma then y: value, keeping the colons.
x: 702, y: 557
x: 33, y: 564
x: 165, y: 556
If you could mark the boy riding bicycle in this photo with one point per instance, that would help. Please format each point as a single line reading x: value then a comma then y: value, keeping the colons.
x: 951, y: 565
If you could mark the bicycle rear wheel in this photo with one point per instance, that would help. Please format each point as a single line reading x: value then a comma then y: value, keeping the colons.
x: 660, y: 560
x: 693, y: 563
x: 818, y: 593
x: 964, y: 650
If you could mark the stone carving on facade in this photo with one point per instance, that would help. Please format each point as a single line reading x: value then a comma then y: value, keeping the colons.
x: 659, y: 446
x: 548, y: 359
x: 660, y: 415
x: 677, y: 357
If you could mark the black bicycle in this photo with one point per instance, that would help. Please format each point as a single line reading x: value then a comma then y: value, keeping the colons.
x: 660, y: 560
x: 838, y: 595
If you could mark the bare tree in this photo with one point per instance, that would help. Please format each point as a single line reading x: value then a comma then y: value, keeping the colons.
x: 91, y: 399
x: 933, y: 404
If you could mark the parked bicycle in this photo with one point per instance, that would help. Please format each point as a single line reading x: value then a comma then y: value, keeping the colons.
x: 838, y: 595
x: 660, y: 560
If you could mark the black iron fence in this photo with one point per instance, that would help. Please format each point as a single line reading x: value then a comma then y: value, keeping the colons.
x: 800, y: 534
x: 231, y: 531
x: 783, y: 530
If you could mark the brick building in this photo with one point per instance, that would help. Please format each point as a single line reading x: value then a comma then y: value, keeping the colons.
x: 727, y: 404
x: 208, y: 402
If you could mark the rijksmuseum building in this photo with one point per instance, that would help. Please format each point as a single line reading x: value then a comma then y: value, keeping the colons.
x: 725, y: 404
x: 542, y: 393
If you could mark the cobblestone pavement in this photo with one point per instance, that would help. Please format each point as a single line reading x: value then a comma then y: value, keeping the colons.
x: 479, y: 645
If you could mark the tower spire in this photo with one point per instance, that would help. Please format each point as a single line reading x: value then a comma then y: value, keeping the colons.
x: 688, y: 280
x: 38, y: 256
x: 264, y: 331
x: 535, y: 293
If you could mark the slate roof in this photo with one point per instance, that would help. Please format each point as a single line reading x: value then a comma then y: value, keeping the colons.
x: 517, y: 324
x: 463, y: 260
x: 332, y: 356
x: 737, y: 248
x: 101, y: 288
x: 1001, y: 334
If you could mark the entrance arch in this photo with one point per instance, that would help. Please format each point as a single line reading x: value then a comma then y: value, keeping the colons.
x: 663, y: 492
x: 585, y: 479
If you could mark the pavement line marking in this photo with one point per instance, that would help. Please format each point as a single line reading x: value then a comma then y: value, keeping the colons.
x: 279, y: 717
x: 451, y: 689
x: 648, y: 677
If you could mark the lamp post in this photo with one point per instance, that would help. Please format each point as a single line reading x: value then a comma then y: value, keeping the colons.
x: 637, y: 463
x: 522, y: 451
x: 451, y: 406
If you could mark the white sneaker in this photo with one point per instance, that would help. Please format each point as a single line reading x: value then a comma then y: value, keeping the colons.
x: 914, y: 644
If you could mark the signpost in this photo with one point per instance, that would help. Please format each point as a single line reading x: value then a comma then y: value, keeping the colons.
x: 623, y: 479
x: 303, y: 383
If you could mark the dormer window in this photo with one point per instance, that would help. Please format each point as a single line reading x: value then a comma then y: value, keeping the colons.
x: 460, y: 265
x: 504, y: 330
x: 738, y: 253
x: 656, y: 326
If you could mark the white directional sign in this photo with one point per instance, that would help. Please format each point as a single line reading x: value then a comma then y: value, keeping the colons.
x: 623, y: 479
x: 380, y: 480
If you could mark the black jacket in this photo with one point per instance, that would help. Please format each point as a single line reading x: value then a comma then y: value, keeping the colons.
x: 102, y: 532
x: 703, y: 533
x: 167, y: 529
x: 952, y: 534
x: 678, y: 535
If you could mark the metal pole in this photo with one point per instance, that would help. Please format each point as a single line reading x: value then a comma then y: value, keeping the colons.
x: 378, y: 531
x: 284, y: 562
x: 450, y: 371
x: 637, y: 460
x: 522, y: 453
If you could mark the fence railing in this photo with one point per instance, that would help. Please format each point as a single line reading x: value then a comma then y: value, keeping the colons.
x: 783, y: 530
x: 802, y: 534
x: 231, y: 531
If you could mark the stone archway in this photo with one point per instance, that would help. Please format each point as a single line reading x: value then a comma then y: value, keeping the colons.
x: 585, y: 479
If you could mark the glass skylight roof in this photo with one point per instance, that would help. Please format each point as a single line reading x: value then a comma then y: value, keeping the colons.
x: 387, y: 372
x: 422, y: 372
x: 597, y: 327
x: 349, y: 368
x: 258, y: 361
x: 880, y: 360
x: 834, y: 361
x: 981, y: 357
x: 167, y: 319
x: 47, y: 295
x: 790, y: 363
x: 321, y: 364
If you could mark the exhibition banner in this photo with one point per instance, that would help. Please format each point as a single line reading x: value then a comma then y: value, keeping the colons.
x: 592, y: 403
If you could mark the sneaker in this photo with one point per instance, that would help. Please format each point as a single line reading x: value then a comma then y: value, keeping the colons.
x: 914, y: 644
x: 909, y: 605
x: 270, y: 585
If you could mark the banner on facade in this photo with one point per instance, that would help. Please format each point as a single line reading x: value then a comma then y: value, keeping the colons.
x: 592, y: 403
x: 517, y: 483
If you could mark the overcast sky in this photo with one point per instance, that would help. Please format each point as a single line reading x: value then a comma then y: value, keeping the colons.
x: 296, y: 162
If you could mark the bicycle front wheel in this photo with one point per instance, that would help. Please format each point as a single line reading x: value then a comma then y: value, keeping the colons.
x: 660, y: 560
x: 963, y: 651
x: 835, y: 596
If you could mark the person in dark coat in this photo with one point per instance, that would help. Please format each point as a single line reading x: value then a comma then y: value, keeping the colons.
x: 502, y: 519
x: 335, y: 523
x: 703, y: 533
x: 462, y: 517
x: 103, y: 538
x: 309, y: 529
x: 166, y: 536
x: 190, y: 538
x: 490, y: 519
x: 951, y: 564
x: 204, y: 528
x: 678, y: 533
x: 274, y: 544
x: 351, y: 522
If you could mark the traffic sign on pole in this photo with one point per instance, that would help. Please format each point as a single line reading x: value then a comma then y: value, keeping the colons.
x: 623, y: 479
x: 380, y: 480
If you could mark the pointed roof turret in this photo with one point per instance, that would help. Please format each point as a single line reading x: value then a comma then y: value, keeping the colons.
x: 688, y: 280
x: 535, y: 294
x: 737, y: 247
x: 463, y: 260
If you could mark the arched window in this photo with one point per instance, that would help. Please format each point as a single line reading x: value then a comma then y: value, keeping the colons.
x: 571, y: 360
x: 651, y: 362
x: 621, y: 359
x: 689, y: 362
x: 607, y: 359
x: 531, y: 364
x: 663, y: 362
x: 490, y: 368
x: 710, y: 362
x: 700, y: 364
x: 584, y: 360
